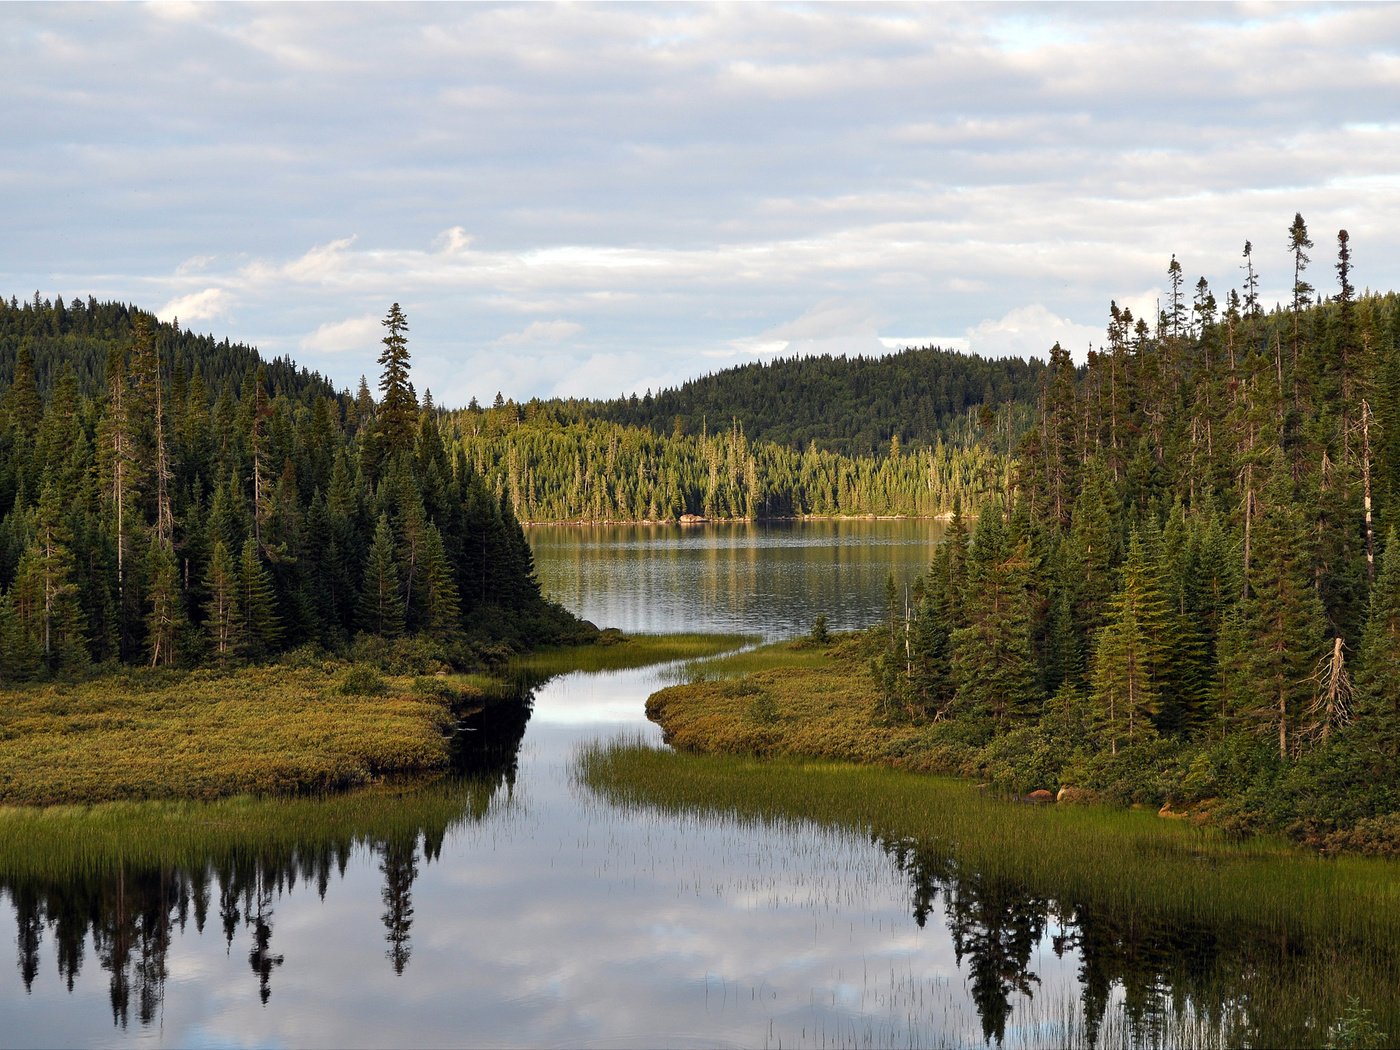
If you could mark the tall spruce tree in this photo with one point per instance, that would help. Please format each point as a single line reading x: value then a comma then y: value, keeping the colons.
x: 257, y: 604
x: 223, y: 621
x: 381, y: 607
x: 398, y: 407
x: 992, y: 663
x: 1281, y: 618
x: 1130, y: 654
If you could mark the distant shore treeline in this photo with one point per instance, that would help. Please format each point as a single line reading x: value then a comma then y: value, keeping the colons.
x: 598, y: 471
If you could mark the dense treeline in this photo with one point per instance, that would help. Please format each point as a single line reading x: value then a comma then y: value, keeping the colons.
x: 1192, y: 589
x: 857, y: 406
x: 147, y: 516
x: 599, y: 471
x: 80, y: 335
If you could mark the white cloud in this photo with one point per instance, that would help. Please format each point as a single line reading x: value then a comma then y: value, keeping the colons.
x: 206, y: 305
x: 354, y: 333
x: 833, y: 326
x: 685, y: 183
x: 541, y: 332
x: 1030, y: 331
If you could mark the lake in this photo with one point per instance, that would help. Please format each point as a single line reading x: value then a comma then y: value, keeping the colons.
x: 520, y: 909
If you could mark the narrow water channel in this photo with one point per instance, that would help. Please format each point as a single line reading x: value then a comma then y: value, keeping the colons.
x: 539, y: 915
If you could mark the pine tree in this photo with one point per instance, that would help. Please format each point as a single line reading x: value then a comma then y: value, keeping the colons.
x: 992, y: 663
x: 381, y: 609
x: 1088, y: 559
x: 223, y: 622
x: 61, y: 627
x: 1130, y: 654
x: 438, y: 601
x: 257, y: 604
x: 165, y: 620
x: 1282, y: 619
x: 398, y: 408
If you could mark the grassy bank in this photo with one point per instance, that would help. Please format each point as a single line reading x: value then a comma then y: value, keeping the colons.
x: 788, y: 698
x: 615, y: 651
x: 309, y: 725
x: 203, y: 734
x: 812, y: 700
x: 60, y: 842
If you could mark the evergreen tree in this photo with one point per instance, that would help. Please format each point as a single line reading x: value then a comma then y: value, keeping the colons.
x: 398, y: 408
x: 1377, y: 699
x: 223, y: 622
x: 47, y: 571
x: 992, y: 663
x: 165, y: 620
x: 1282, y: 620
x: 1129, y: 658
x: 257, y: 604
x: 438, y: 601
x: 381, y: 609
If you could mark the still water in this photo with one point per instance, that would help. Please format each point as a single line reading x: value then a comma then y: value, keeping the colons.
x: 541, y: 915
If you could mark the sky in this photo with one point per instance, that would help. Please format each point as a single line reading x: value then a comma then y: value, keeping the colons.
x: 593, y: 200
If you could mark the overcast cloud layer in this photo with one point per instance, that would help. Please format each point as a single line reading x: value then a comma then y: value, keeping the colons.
x: 597, y: 199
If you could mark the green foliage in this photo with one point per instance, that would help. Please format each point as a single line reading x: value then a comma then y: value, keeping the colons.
x: 992, y: 662
x: 597, y: 471
x: 151, y: 479
x: 362, y: 681
x: 1356, y: 1029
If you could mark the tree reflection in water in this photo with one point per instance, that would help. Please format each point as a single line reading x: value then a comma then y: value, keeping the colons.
x: 1165, y: 969
x: 132, y: 912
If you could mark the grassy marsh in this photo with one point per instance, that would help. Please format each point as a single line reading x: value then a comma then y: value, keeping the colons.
x: 786, y: 698
x: 616, y: 651
x: 59, y: 842
x: 1284, y: 937
x: 204, y: 734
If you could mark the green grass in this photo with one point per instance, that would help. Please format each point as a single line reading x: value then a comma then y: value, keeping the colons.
x: 615, y: 652
x: 1295, y: 935
x: 204, y: 734
x: 787, y: 698
x: 59, y: 842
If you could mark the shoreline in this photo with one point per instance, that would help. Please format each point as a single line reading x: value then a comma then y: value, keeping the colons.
x: 283, y: 730
x: 802, y: 700
x: 690, y: 520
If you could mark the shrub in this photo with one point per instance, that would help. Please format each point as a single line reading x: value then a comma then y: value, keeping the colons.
x: 362, y: 681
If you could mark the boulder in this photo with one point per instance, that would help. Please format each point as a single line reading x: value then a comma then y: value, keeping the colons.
x: 1075, y: 796
x: 1041, y: 796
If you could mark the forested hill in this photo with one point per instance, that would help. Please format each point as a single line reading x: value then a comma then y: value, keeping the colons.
x: 145, y: 519
x: 84, y: 333
x: 854, y: 406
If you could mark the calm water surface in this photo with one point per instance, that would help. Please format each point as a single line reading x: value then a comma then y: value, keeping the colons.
x: 549, y: 918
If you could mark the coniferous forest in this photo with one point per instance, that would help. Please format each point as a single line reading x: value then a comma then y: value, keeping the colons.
x: 169, y: 500
x: 1185, y: 567
x: 1192, y: 589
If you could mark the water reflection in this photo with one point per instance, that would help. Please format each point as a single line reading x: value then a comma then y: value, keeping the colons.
x: 1149, y: 981
x: 515, y: 907
x: 131, y: 913
x: 771, y: 577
